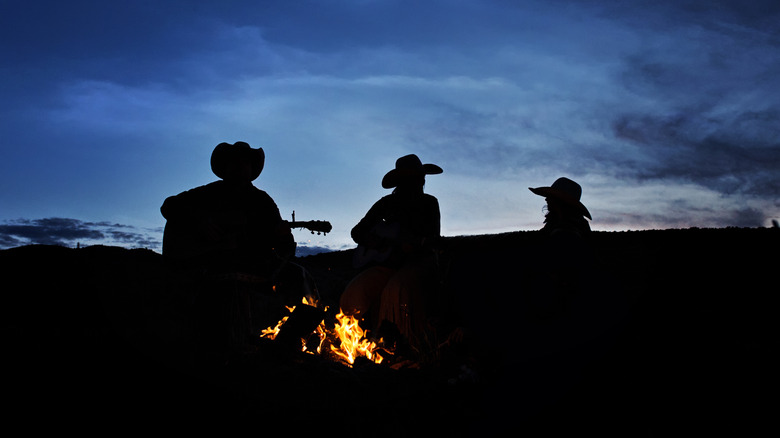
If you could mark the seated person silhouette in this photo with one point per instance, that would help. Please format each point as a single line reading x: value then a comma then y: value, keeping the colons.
x: 564, y: 252
x: 394, y: 244
x: 228, y: 225
x: 231, y: 242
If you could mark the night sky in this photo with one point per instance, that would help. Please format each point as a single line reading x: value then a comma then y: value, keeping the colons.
x: 667, y: 112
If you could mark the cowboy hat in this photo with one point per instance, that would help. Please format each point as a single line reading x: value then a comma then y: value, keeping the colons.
x: 564, y: 190
x: 408, y: 165
x: 225, y: 153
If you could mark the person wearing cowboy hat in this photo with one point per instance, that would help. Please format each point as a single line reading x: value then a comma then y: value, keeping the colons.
x: 564, y: 259
x: 228, y: 224
x: 394, y: 244
x: 565, y: 211
x: 230, y: 243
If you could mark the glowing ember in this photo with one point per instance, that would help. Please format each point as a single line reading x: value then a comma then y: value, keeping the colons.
x: 322, y: 335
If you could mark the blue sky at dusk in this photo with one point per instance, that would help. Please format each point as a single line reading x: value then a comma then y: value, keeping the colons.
x: 666, y: 112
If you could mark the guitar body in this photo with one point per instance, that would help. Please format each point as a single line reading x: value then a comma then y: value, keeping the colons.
x: 185, y: 240
x: 390, y: 234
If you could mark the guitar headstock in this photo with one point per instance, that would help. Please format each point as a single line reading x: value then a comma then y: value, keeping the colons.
x: 318, y: 227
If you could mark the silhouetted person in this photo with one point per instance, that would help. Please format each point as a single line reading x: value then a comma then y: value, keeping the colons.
x: 396, y: 236
x: 228, y: 225
x: 565, y: 257
x: 541, y: 306
x: 233, y: 246
x: 565, y: 212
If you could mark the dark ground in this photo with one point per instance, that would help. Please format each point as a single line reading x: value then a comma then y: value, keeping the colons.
x: 675, y: 335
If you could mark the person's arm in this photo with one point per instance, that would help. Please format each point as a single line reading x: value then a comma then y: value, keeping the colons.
x: 187, y: 210
x: 278, y: 232
x: 362, y: 233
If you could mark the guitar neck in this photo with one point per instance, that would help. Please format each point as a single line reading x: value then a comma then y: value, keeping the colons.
x: 318, y: 226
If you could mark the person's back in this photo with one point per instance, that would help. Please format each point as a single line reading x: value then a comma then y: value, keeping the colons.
x: 220, y: 223
x: 228, y: 224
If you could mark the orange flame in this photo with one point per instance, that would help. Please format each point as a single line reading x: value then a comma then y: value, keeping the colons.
x: 322, y: 334
x: 351, y: 342
x: 271, y: 332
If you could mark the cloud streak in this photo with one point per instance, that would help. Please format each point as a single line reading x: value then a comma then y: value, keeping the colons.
x: 73, y: 232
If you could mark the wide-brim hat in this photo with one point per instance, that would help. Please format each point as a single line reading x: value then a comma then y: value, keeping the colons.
x: 566, y: 191
x: 408, y: 166
x: 225, y: 153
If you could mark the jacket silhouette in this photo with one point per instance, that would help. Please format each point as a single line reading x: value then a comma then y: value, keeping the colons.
x: 227, y: 225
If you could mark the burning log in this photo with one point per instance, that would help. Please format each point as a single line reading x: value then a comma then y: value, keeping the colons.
x: 298, y: 327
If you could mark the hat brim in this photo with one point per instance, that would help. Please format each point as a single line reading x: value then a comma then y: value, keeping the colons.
x: 563, y: 196
x: 395, y: 176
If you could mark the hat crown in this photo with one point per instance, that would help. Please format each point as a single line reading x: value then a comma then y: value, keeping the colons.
x: 569, y: 187
x: 406, y: 167
x: 226, y: 153
x: 409, y: 162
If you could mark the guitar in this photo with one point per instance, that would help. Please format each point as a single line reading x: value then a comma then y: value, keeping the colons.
x: 393, y: 243
x: 390, y: 235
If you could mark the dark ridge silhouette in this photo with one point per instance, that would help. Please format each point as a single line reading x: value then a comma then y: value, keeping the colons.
x: 676, y: 334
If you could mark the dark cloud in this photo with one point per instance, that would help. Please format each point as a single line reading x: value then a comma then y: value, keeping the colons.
x: 739, y: 155
x: 747, y: 217
x: 680, y: 215
x: 665, y: 14
x: 72, y: 232
x: 709, y: 99
x: 51, y: 231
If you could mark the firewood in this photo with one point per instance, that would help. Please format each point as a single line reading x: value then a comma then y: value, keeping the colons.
x: 301, y: 323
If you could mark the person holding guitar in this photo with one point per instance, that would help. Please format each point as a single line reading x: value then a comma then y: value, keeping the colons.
x: 230, y: 241
x: 228, y: 225
x: 395, y: 240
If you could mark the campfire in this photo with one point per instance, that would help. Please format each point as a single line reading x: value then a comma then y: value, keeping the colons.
x: 352, y: 341
x: 345, y: 341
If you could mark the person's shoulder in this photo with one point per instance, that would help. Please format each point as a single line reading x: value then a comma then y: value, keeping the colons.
x: 212, y: 186
x: 430, y: 199
x: 260, y: 195
x: 386, y: 199
x: 259, y: 192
